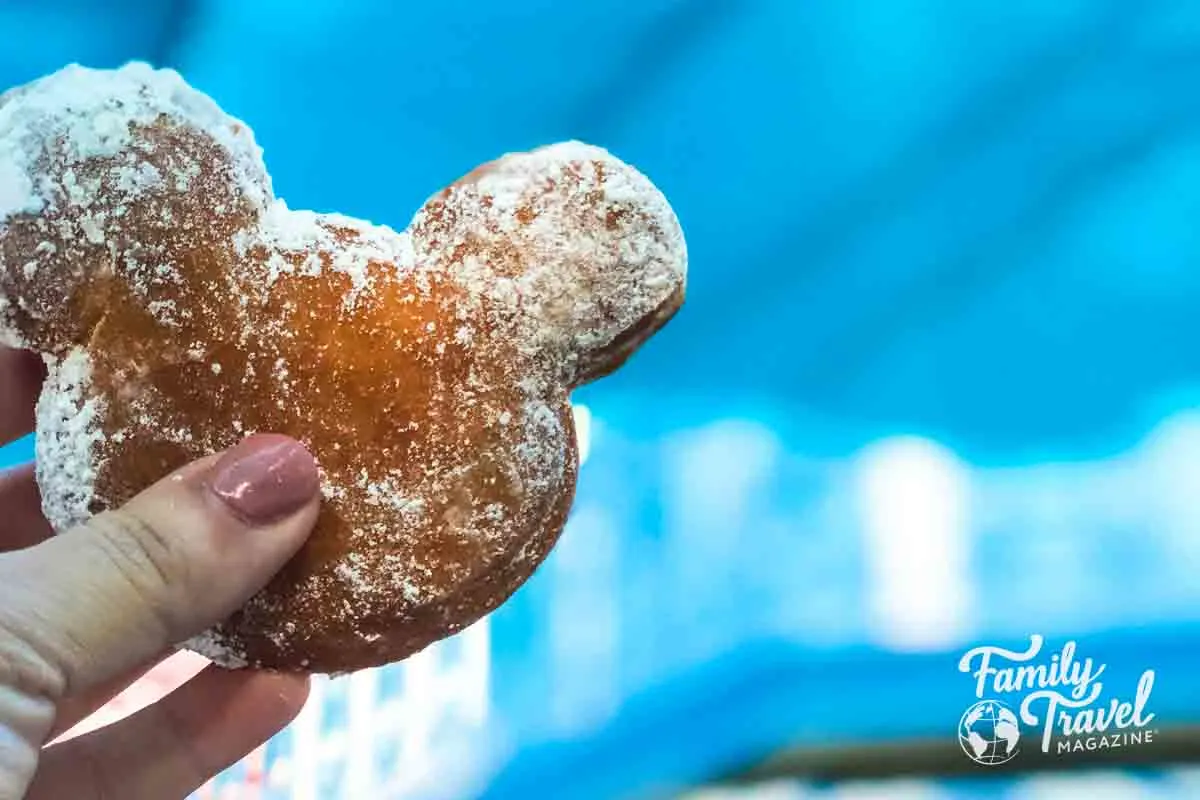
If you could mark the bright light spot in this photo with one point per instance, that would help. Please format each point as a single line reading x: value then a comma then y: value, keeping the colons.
x: 583, y: 431
x: 781, y: 789
x: 1111, y: 786
x: 445, y: 701
x: 914, y: 499
x: 1172, y: 473
x: 584, y: 624
x: 1167, y: 476
x: 361, y: 733
x: 716, y: 481
x: 306, y: 753
x: 715, y: 471
x: 896, y: 789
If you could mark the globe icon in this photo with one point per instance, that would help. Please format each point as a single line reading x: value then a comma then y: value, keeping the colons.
x: 989, y: 733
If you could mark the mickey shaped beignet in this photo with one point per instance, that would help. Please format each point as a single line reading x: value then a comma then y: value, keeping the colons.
x: 180, y: 307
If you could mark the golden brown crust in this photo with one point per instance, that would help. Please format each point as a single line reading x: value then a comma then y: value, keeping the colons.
x: 181, y: 308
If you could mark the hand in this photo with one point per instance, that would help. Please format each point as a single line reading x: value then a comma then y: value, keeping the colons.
x: 83, y: 614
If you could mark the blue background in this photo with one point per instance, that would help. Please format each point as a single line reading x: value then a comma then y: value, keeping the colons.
x: 972, y: 223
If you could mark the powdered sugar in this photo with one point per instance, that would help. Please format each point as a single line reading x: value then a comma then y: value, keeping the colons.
x: 306, y: 243
x: 541, y: 453
x: 68, y: 433
x: 389, y: 492
x: 428, y: 370
x: 605, y: 248
x: 218, y: 649
x: 353, y: 571
x: 16, y: 191
x: 92, y: 114
x: 74, y: 144
x: 135, y: 179
x: 9, y: 336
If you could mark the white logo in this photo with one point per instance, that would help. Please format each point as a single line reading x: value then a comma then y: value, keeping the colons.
x: 988, y: 733
x: 1059, y: 696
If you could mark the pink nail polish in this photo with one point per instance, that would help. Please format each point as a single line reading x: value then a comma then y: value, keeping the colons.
x: 265, y: 478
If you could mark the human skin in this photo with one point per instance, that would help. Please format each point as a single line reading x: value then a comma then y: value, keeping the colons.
x: 85, y: 613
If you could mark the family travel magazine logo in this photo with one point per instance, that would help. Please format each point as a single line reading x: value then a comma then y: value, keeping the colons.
x: 1057, y: 696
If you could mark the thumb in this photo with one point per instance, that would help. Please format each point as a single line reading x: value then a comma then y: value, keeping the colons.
x: 100, y: 599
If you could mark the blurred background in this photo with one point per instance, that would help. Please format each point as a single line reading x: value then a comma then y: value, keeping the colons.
x: 937, y: 383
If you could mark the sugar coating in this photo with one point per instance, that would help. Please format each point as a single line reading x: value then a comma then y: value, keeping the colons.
x: 284, y: 232
x: 94, y: 111
x: 641, y: 272
x: 69, y: 433
x: 237, y: 313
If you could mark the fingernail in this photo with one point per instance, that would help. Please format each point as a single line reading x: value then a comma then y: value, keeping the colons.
x: 265, y: 478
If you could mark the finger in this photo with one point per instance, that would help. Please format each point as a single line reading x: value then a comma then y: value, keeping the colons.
x: 75, y: 709
x: 173, y: 747
x: 94, y: 602
x: 133, y: 692
x: 21, y: 376
x: 23, y: 524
